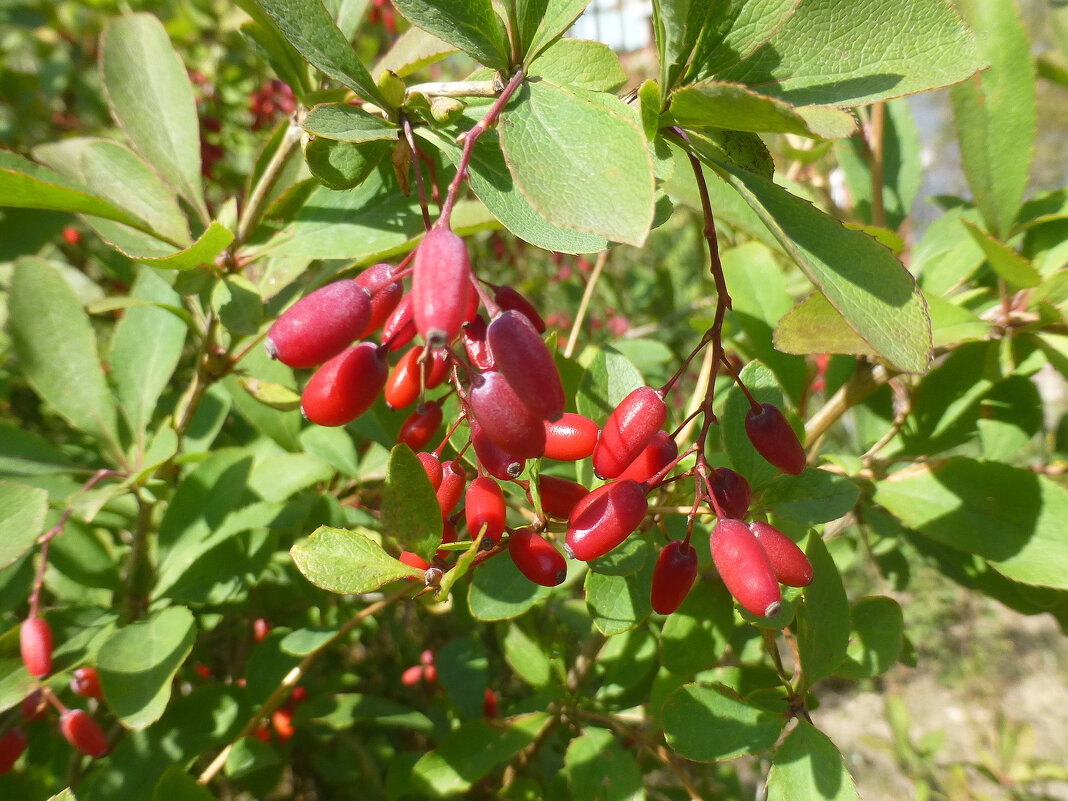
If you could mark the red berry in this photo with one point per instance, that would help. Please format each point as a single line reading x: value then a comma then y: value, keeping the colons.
x: 451, y: 489
x: 263, y: 734
x: 774, y: 439
x: 525, y: 362
x: 72, y: 236
x: 261, y: 627
x: 12, y: 744
x: 674, y: 575
x: 35, y: 638
x: 421, y: 425
x: 427, y: 657
x: 282, y: 721
x: 413, y: 560
x: 448, y: 534
x: 788, y: 561
x: 412, y: 676
x: 385, y: 295
x: 484, y: 507
x: 441, y: 284
x: 202, y: 670
x: 493, y: 460
x: 86, y: 683
x: 399, y: 328
x: 478, y: 350
x: 403, y: 384
x: 570, y: 438
x: 346, y: 386
x: 299, y: 695
x: 508, y: 298
x: 489, y: 704
x: 432, y: 466
x: 430, y: 674
x: 507, y: 421
x: 631, y: 426
x: 658, y: 454
x: 732, y: 492
x: 604, y: 518
x: 536, y: 558
x: 559, y: 496
x: 34, y: 706
x: 321, y: 325
x: 744, y: 567
x: 84, y: 733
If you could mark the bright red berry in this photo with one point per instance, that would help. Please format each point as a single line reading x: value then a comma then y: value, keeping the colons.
x: 412, y: 676
x: 478, y: 350
x: 430, y: 674
x: 448, y: 534
x: 631, y: 426
x: 604, y: 518
x: 427, y: 657
x: 774, y: 439
x: 570, y: 438
x: 484, y: 508
x: 261, y: 627
x: 403, y: 385
x: 732, y: 492
x: 441, y: 284
x: 414, y: 560
x: 559, y: 496
x: 493, y: 460
x: 505, y: 418
x: 509, y: 299
x: 321, y: 325
x: 35, y: 638
x: 72, y: 236
x: 432, y: 466
x: 451, y: 489
x: 346, y: 386
x: 12, y: 744
x: 744, y: 567
x: 399, y: 328
x: 282, y: 722
x: 788, y: 561
x: 421, y: 425
x: 673, y: 576
x: 536, y: 558
x: 86, y: 683
x: 263, y: 734
x: 84, y: 733
x: 385, y: 295
x: 658, y: 454
x: 525, y: 362
x: 489, y: 704
x: 202, y: 670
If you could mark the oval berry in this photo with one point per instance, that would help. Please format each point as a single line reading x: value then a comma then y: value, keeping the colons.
x: 788, y: 561
x: 521, y: 357
x: 478, y: 350
x: 86, y: 683
x: 421, y: 425
x: 507, y: 421
x: 385, y: 295
x: 412, y: 676
x: 673, y: 576
x: 509, y: 299
x: 489, y: 704
x: 320, y: 325
x: 84, y: 733
x: 441, y: 286
x: 570, y: 438
x: 496, y: 462
x: 658, y: 454
x: 432, y: 466
x: 744, y: 568
x: 261, y: 627
x: 559, y: 496
x: 345, y: 387
x: 536, y: 558
x: 631, y: 426
x: 413, y: 560
x: 408, y: 377
x: 282, y: 722
x: 399, y: 328
x: 774, y: 439
x: 732, y: 492
x: 604, y: 518
x: 12, y: 745
x: 451, y: 489
x: 35, y: 640
x: 484, y: 508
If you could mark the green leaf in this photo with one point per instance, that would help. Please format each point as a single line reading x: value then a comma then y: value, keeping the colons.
x: 953, y: 325
x: 815, y: 496
x: 279, y: 476
x: 341, y: 712
x: 63, y: 795
x: 344, y: 165
x: 333, y: 446
x: 22, y: 519
x: 608, y: 380
x: 744, y: 457
x: 302, y: 642
x: 248, y: 755
x: 698, y: 634
x: 619, y: 603
x: 281, y: 426
x: 499, y: 591
x: 601, y: 185
x: 861, y: 278
x: 178, y: 784
x: 815, y: 326
x: 875, y: 639
x: 808, y: 767
x: 734, y: 30
x: 56, y: 348
x: 996, y: 113
x: 151, y: 100
x: 677, y: 25
x: 347, y: 562
x: 1006, y: 262
x: 463, y: 672
x: 1010, y: 416
x: 471, y: 25
x: 556, y: 19
x: 582, y: 64
x: 238, y: 304
x: 600, y: 769
x: 308, y: 26
x: 626, y: 558
x: 852, y: 54
x: 157, y: 253
x: 823, y: 619
x: 412, y: 51
x: 137, y: 665
x: 708, y: 724
x: 347, y: 123
x: 410, y: 510
x: 947, y: 254
x: 528, y: 15
x: 1009, y: 516
x: 526, y: 657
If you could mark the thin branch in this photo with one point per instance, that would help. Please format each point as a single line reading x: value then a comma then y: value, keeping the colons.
x: 407, y: 125
x: 263, y: 187
x: 587, y: 293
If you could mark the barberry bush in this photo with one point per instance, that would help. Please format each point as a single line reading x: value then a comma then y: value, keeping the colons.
x: 406, y: 401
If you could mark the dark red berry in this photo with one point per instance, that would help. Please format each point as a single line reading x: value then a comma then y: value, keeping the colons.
x: 441, y: 285
x: 299, y: 695
x: 536, y: 558
x: 321, y: 325
x: 484, y: 508
x: 84, y: 733
x: 478, y: 350
x: 261, y: 627
x: 35, y: 639
x: 489, y: 704
x: 385, y: 295
x: 570, y: 438
x: 509, y: 299
x: 744, y: 567
x: 788, y: 561
x: 774, y: 439
x: 493, y: 460
x: 522, y: 358
x: 448, y: 534
x: 403, y: 385
x: 451, y: 489
x: 673, y: 577
x: 604, y: 518
x: 631, y: 426
x: 86, y: 683
x: 732, y: 492
x: 507, y: 421
x: 421, y: 425
x: 432, y: 466
x: 263, y: 733
x: 346, y: 386
x: 12, y: 744
x: 658, y: 454
x: 559, y: 496
x: 399, y: 328
x: 34, y: 706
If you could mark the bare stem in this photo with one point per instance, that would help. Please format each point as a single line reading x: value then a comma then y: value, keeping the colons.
x: 580, y: 315
x: 407, y: 125
x: 258, y: 198
x: 876, y: 163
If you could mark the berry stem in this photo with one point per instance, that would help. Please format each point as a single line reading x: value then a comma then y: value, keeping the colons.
x: 753, y: 402
x: 407, y: 126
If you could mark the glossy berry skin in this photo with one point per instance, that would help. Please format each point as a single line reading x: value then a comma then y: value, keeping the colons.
x: 478, y: 350
x: 744, y: 568
x: 84, y: 733
x: 12, y: 744
x: 732, y: 492
x: 432, y: 466
x: 451, y: 489
x: 35, y: 639
x: 493, y: 460
x: 399, y: 328
x: 658, y: 454
x: 421, y: 425
x: 507, y: 421
x: 441, y: 286
x: 86, y: 683
x: 673, y: 576
x: 403, y: 385
x: 788, y: 561
x: 570, y: 438
x: 261, y: 627
x: 320, y: 325
x: 413, y: 560
x: 559, y: 496
x: 412, y: 676
x: 604, y: 518
x: 521, y: 357
x: 484, y: 507
x: 536, y: 558
x: 631, y: 426
x: 385, y: 295
x: 509, y: 299
x: 774, y: 439
x: 345, y: 387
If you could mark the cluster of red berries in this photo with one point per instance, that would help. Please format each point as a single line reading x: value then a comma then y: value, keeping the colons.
x: 427, y: 673
x: 268, y: 101
x: 382, y: 12
x: 282, y: 719
x: 512, y: 397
